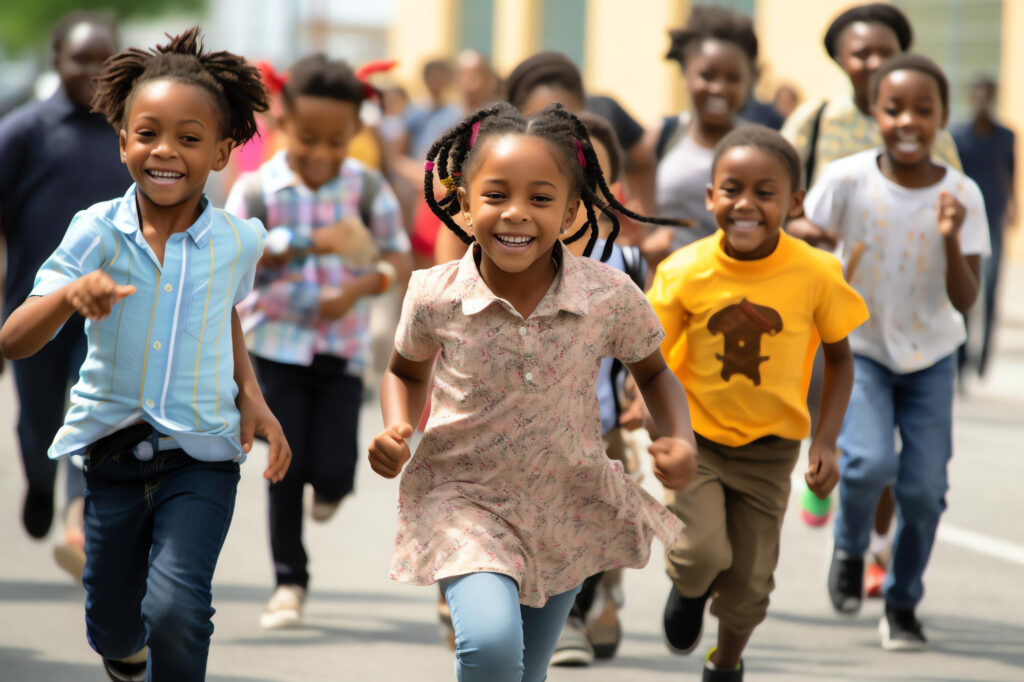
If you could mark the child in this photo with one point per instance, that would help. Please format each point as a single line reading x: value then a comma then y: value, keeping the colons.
x: 58, y: 158
x: 743, y: 311
x: 511, y: 502
x: 167, y: 403
x: 717, y: 51
x: 917, y: 272
x: 307, y: 320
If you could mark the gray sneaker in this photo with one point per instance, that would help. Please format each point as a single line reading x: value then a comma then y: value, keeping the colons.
x: 901, y: 630
x: 573, y: 647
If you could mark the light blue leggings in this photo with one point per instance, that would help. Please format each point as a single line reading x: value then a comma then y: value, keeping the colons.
x: 496, y: 638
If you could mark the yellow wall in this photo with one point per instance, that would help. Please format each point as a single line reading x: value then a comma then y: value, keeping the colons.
x: 422, y: 30
x: 516, y: 36
x: 1011, y: 105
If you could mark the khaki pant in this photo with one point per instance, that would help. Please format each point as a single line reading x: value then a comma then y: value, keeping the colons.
x: 733, y: 513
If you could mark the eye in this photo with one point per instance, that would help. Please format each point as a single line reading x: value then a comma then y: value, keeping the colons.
x: 145, y: 132
x: 190, y: 138
x: 542, y: 198
x: 862, y: 54
x: 765, y: 193
x: 924, y: 112
x: 891, y: 111
x: 705, y: 74
x: 728, y: 190
x: 494, y: 196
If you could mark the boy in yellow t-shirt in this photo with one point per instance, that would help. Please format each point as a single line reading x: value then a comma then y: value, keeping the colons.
x: 744, y: 310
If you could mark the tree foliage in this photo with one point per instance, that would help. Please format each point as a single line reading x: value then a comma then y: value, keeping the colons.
x: 26, y: 24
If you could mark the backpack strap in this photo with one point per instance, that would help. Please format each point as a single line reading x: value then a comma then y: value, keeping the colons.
x: 634, y: 265
x: 672, y: 129
x: 813, y: 152
x: 372, y: 181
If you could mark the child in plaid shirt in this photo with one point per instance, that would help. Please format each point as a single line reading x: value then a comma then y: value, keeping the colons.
x: 307, y: 320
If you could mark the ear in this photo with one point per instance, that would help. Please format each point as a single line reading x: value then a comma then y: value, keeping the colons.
x: 709, y: 197
x: 796, y: 204
x: 945, y: 117
x: 122, y: 141
x: 460, y: 192
x: 222, y: 154
x: 571, y: 211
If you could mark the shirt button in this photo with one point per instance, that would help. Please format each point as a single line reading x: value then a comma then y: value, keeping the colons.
x: 522, y: 331
x: 168, y: 287
x: 149, y: 402
x: 157, y: 345
x: 529, y: 376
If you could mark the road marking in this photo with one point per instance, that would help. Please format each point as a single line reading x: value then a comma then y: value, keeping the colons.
x: 983, y: 544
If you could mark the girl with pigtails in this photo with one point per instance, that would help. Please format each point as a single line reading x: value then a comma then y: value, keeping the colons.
x: 511, y: 502
x: 167, y: 404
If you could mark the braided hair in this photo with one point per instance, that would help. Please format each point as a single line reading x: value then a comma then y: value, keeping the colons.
x: 456, y: 151
x: 234, y: 85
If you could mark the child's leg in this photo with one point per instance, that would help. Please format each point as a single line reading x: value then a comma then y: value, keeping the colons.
x: 287, y: 392
x: 541, y: 628
x: 333, y: 446
x: 118, y: 525
x: 757, y: 485
x: 868, y: 462
x: 193, y: 502
x: 488, y: 627
x: 924, y: 412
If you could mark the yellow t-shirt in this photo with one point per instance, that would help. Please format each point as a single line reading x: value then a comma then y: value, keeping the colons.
x: 741, y: 335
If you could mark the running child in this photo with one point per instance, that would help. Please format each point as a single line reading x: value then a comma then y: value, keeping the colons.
x: 917, y: 229
x: 167, y: 403
x: 744, y: 310
x: 511, y: 501
x: 336, y: 238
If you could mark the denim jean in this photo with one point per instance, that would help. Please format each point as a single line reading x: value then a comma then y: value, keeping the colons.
x: 153, y: 532
x: 496, y: 638
x: 920, y: 405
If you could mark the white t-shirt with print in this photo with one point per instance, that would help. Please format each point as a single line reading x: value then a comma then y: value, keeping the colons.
x: 901, y: 269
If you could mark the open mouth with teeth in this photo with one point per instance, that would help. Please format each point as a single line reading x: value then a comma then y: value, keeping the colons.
x: 907, y: 144
x: 744, y: 225
x: 164, y: 177
x: 515, y: 241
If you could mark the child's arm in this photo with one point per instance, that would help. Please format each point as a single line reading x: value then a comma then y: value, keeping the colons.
x: 256, y: 417
x: 675, y: 449
x: 403, y: 393
x: 38, y: 319
x: 962, y: 272
x: 822, y: 461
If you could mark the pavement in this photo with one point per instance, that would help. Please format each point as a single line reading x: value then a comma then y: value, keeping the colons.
x: 361, y: 626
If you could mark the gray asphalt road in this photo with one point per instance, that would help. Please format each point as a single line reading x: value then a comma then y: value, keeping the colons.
x: 361, y: 626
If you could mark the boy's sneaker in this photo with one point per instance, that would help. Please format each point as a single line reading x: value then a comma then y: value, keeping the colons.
x: 874, y: 577
x: 284, y: 610
x: 814, y: 511
x: 573, y: 648
x: 323, y: 509
x: 713, y: 673
x: 846, y: 582
x: 37, y: 512
x: 131, y: 670
x: 901, y: 630
x: 602, y: 620
x: 684, y: 621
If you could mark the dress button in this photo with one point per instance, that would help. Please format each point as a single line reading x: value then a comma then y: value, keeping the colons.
x: 529, y: 376
x: 157, y: 345
x: 168, y: 287
x: 522, y: 331
x: 149, y: 402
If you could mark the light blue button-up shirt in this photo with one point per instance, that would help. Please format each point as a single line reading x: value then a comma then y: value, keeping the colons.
x: 164, y: 354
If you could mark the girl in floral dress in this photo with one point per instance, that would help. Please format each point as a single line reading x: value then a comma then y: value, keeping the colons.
x: 511, y: 502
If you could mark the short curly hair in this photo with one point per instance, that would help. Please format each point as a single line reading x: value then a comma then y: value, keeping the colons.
x: 713, y: 23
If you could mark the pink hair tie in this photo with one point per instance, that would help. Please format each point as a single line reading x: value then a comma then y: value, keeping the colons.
x: 428, y: 166
x: 474, y: 130
x: 579, y: 154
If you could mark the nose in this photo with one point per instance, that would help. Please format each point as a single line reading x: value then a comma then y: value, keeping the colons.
x: 164, y: 147
x: 513, y: 214
x: 873, y: 61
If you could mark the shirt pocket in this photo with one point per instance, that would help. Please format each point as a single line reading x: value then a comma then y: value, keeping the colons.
x: 200, y: 311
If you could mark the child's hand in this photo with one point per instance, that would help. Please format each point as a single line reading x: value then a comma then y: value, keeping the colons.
x: 390, y: 450
x: 632, y: 418
x: 804, y: 229
x: 822, y: 470
x: 675, y: 462
x: 257, y: 419
x: 951, y: 214
x: 94, y: 294
x: 348, y: 238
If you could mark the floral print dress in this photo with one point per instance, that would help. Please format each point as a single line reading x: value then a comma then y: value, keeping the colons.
x: 511, y: 475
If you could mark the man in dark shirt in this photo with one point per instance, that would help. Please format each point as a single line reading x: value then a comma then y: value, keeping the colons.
x: 56, y: 159
x: 986, y: 150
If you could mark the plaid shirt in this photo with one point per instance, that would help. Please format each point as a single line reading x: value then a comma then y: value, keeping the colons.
x: 279, y: 317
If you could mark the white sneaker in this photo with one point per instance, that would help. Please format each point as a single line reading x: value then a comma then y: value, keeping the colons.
x: 284, y: 610
x: 573, y: 646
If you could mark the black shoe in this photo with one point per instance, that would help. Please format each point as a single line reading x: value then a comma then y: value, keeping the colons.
x: 901, y: 630
x: 37, y: 512
x: 846, y: 582
x: 119, y: 671
x: 713, y: 674
x: 684, y: 621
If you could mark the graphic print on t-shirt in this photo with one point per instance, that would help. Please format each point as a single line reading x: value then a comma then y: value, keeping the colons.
x: 742, y: 325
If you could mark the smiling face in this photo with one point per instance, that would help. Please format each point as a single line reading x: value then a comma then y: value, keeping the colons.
x: 861, y: 49
x: 171, y: 140
x: 750, y: 197
x: 518, y: 200
x: 717, y: 76
x: 319, y: 130
x: 909, y: 112
x: 81, y: 58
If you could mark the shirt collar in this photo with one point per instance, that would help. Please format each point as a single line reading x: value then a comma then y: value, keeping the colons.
x: 567, y: 292
x: 126, y: 218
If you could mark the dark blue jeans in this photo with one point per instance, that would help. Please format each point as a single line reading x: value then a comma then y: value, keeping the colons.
x: 153, y: 532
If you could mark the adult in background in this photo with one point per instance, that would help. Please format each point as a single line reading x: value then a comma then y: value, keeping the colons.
x: 427, y: 120
x: 56, y: 158
x: 986, y: 149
